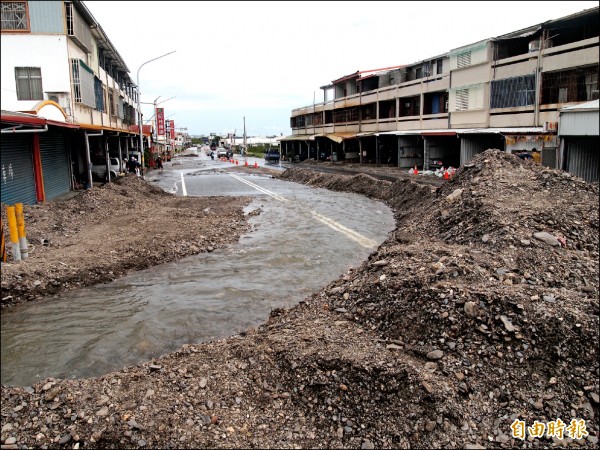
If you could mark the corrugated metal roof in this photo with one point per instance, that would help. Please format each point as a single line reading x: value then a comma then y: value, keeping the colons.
x: 576, y: 15
x: 529, y: 31
x: 588, y: 106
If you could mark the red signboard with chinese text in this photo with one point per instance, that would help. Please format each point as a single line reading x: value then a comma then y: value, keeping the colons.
x: 160, y: 121
x: 172, y: 125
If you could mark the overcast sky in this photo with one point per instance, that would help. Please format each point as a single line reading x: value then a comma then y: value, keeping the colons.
x: 260, y: 60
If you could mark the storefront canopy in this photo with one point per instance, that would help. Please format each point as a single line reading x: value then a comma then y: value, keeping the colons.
x: 337, y: 137
x: 298, y: 137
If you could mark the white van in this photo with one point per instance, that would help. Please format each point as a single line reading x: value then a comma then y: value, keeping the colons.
x: 99, y: 168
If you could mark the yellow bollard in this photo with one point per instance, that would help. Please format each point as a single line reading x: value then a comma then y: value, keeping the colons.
x: 3, y: 247
x: 21, y: 230
x: 14, y: 235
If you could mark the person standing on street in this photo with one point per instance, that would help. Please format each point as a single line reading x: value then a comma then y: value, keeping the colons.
x: 159, y: 163
x: 133, y: 165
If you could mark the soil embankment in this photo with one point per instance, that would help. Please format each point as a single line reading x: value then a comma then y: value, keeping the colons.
x: 479, y: 309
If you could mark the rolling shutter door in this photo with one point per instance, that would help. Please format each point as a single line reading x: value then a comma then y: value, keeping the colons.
x: 18, y: 182
x: 55, y: 164
x: 583, y: 158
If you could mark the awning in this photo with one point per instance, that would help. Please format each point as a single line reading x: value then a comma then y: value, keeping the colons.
x: 337, y: 137
x: 520, y: 130
x: 594, y: 105
x: 147, y: 129
x: 298, y: 137
x: 19, y: 118
x: 442, y: 132
x: 525, y: 32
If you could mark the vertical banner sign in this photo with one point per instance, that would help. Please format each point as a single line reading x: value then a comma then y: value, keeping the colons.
x: 172, y: 126
x: 160, y: 121
x: 167, y: 129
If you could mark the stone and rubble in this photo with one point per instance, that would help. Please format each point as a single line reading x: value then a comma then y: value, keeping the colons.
x: 478, y: 313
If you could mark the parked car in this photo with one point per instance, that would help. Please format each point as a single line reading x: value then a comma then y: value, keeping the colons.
x: 221, y: 152
x: 272, y: 155
x: 99, y: 168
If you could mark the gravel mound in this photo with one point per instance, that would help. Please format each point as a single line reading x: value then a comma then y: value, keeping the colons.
x: 479, y: 309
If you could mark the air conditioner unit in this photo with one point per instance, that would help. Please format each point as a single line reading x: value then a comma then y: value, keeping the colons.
x: 62, y: 98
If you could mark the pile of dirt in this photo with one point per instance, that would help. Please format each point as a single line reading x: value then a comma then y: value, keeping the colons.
x: 464, y: 320
x: 106, y: 232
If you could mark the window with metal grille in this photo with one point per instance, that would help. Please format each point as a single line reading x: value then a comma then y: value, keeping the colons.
x: 29, y: 83
x: 462, y: 100
x: 69, y: 14
x: 83, y: 83
x: 513, y: 92
x: 99, y: 93
x: 15, y: 16
x: 571, y: 85
x: 111, y: 102
x: 463, y: 59
x: 120, y: 105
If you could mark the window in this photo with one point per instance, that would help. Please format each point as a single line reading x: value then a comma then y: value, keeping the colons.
x: 419, y: 73
x: 439, y: 66
x: 14, y: 16
x: 69, y: 13
x: 99, y: 94
x: 113, y: 103
x: 463, y: 59
x: 462, y: 100
x: 572, y: 85
x: 591, y: 86
x: 29, y: 83
x: 513, y: 92
x: 83, y: 83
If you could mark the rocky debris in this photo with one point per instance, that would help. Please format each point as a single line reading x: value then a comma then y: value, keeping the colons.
x: 441, y: 339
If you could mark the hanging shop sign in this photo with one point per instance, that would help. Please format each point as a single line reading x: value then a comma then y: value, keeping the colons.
x: 160, y: 121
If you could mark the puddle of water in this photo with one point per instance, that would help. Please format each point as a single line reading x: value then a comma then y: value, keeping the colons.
x: 286, y: 257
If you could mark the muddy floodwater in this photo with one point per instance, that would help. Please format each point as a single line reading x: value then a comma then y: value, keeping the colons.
x: 301, y: 239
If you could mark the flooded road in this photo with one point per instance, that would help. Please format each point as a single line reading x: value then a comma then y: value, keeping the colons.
x: 302, y: 239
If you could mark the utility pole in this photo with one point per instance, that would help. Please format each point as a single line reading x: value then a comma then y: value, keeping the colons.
x: 244, y: 135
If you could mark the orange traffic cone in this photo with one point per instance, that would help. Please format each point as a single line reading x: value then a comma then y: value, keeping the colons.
x: 446, y: 175
x: 416, y: 171
x: 236, y: 162
x: 255, y: 165
x: 246, y: 164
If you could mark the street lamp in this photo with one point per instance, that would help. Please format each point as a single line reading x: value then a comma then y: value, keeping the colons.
x: 140, y: 108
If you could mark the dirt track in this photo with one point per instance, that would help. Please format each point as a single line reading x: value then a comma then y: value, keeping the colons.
x: 464, y: 320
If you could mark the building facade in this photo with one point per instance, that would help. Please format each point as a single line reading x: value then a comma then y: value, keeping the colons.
x: 504, y: 92
x: 68, y: 100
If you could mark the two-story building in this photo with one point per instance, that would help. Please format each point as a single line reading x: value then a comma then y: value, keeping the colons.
x: 67, y: 102
x: 503, y: 92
